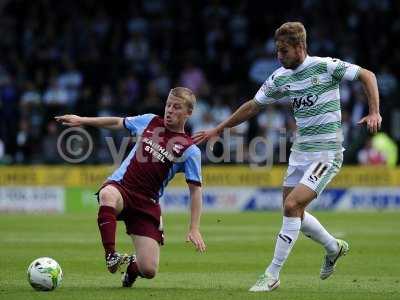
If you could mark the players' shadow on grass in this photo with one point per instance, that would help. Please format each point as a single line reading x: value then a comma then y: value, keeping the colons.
x: 151, y: 289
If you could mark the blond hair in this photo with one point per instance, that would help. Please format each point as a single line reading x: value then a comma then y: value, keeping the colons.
x: 292, y: 33
x: 186, y: 95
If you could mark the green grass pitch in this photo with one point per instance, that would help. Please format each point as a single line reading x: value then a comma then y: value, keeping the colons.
x: 239, y: 247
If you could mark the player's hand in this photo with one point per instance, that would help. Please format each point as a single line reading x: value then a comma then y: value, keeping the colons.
x: 205, y: 135
x: 195, y: 237
x: 70, y: 120
x: 373, y: 122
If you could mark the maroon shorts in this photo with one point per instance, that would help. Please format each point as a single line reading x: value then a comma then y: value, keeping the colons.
x: 141, y: 214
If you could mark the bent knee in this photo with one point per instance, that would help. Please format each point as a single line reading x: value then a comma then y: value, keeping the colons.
x: 292, y: 206
x: 147, y: 268
x: 108, y: 197
x: 148, y: 272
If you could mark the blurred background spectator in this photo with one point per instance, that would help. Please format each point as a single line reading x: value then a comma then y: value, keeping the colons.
x: 368, y: 155
x: 97, y: 58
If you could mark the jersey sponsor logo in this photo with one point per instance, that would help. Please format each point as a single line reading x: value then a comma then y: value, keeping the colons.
x: 157, y: 151
x: 304, y: 101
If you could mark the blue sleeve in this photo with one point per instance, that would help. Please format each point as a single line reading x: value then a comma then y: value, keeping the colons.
x: 137, y: 124
x: 192, y: 165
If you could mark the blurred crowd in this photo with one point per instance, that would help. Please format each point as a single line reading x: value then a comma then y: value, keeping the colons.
x: 101, y: 58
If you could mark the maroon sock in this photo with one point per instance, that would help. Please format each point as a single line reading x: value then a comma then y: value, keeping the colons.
x: 133, y: 270
x: 107, y: 222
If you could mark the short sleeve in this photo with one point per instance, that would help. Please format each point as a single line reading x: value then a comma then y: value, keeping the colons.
x: 192, y: 165
x: 341, y: 70
x: 137, y: 124
x: 268, y: 92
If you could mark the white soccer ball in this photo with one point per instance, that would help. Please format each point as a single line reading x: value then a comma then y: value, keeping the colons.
x: 44, y: 274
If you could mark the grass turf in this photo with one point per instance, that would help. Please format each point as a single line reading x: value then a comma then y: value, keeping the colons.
x: 239, y: 247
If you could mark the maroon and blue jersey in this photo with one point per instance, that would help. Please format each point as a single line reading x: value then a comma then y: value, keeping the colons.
x: 156, y: 157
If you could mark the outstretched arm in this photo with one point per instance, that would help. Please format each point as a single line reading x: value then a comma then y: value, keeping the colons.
x: 103, y: 122
x: 243, y: 113
x: 374, y: 119
x: 194, y: 234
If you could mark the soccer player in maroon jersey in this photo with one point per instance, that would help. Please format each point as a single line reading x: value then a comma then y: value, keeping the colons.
x: 132, y: 192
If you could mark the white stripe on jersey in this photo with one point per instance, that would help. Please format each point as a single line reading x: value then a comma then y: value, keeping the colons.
x: 334, y: 116
x: 313, y: 89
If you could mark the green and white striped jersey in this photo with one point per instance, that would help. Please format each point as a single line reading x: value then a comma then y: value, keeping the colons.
x: 313, y: 90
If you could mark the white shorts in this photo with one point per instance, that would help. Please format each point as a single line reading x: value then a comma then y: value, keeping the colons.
x: 315, y: 174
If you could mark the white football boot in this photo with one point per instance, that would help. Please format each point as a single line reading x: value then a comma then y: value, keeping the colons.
x: 329, y: 264
x: 265, y: 283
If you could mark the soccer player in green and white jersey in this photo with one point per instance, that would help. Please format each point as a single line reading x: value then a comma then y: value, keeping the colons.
x: 312, y: 85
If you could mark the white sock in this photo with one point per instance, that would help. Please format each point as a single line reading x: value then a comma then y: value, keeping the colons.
x: 313, y: 229
x: 284, y: 243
